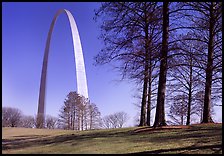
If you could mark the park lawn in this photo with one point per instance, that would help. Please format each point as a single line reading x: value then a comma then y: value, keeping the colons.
x: 197, y: 139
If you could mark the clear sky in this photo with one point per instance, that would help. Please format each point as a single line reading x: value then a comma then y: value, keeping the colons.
x: 24, y: 32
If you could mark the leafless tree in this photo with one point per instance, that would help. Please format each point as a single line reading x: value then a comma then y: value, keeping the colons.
x: 131, y: 33
x: 107, y: 122
x: 78, y: 113
x: 122, y: 118
x: 116, y: 120
x: 27, y: 121
x: 11, y: 117
x: 178, y: 110
x: 160, y: 110
x: 184, y: 76
x: 69, y: 114
x: 94, y: 116
x: 39, y: 121
x: 51, y: 122
x: 150, y: 107
x: 129, y: 38
x: 207, y: 22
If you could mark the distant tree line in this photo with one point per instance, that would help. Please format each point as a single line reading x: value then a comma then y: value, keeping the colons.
x: 77, y: 113
x: 13, y: 117
x: 174, y: 48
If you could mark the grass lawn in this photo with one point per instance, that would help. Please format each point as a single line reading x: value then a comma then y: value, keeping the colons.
x: 196, y: 139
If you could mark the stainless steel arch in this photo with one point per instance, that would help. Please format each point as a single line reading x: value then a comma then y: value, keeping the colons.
x: 79, y: 60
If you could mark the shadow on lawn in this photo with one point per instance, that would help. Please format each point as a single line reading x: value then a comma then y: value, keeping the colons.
x: 21, y: 142
x: 39, y: 140
x: 202, y: 136
x: 179, y: 134
x: 217, y: 149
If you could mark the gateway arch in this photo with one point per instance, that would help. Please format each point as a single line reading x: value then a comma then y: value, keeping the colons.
x: 79, y: 62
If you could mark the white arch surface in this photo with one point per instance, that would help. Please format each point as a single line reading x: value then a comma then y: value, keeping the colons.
x: 79, y: 60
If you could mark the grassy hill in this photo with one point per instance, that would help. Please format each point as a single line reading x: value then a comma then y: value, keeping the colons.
x: 196, y: 139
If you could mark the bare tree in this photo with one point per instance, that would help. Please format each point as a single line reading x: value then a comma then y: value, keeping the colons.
x: 131, y: 33
x: 64, y: 116
x: 69, y: 113
x: 78, y: 113
x: 27, y: 121
x: 208, y: 19
x: 128, y: 32
x: 94, y: 116
x: 178, y: 109
x: 106, y: 122
x: 184, y: 76
x: 11, y: 117
x: 39, y: 121
x: 160, y: 110
x: 51, y: 122
x: 122, y: 118
x: 116, y: 120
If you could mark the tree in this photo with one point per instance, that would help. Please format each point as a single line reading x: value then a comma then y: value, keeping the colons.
x: 160, y: 110
x: 131, y: 35
x: 39, y: 121
x: 150, y: 105
x: 94, y: 116
x: 78, y: 113
x: 116, y: 120
x: 184, y: 75
x: 208, y: 20
x: 122, y: 118
x: 70, y: 113
x: 198, y: 100
x: 51, y: 122
x: 107, y: 122
x: 178, y: 110
x: 27, y: 121
x: 11, y: 117
x: 190, y: 64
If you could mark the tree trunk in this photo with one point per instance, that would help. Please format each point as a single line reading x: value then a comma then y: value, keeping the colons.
x: 144, y: 96
x: 73, y: 128
x: 160, y: 112
x: 91, y: 121
x: 71, y: 121
x: 182, y: 119
x: 78, y: 125
x: 82, y: 121
x: 146, y: 73
x: 149, y: 95
x: 189, y: 94
x: 208, y: 84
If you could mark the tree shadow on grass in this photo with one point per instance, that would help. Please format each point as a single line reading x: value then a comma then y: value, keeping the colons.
x: 40, y: 140
x: 173, y: 135
x: 25, y: 141
x: 217, y: 149
x: 206, y: 138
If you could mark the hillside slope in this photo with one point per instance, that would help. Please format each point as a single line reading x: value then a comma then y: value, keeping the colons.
x: 196, y: 139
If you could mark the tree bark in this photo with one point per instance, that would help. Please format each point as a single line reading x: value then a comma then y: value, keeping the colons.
x: 146, y: 72
x: 149, y: 95
x: 144, y: 97
x: 208, y: 84
x: 160, y: 111
x: 189, y: 94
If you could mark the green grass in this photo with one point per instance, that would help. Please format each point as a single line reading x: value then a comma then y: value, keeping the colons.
x: 198, y: 139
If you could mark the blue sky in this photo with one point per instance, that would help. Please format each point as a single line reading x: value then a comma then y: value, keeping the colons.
x: 25, y: 27
x: 24, y: 33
